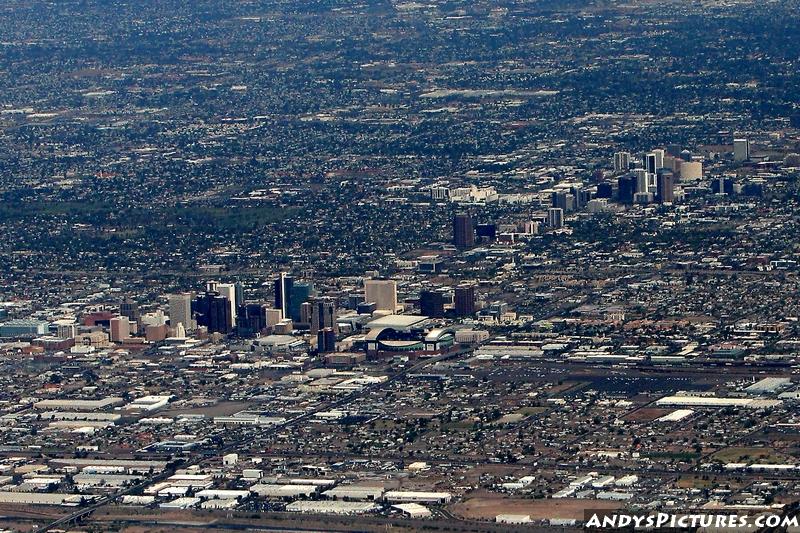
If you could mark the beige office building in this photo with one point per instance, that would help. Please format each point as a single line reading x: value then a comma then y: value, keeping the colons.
x: 382, y: 292
x: 180, y: 311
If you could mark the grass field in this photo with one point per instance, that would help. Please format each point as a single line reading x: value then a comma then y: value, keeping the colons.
x: 679, y: 456
x: 704, y: 482
x: 102, y: 214
x: 530, y: 411
x: 459, y: 425
x: 748, y: 454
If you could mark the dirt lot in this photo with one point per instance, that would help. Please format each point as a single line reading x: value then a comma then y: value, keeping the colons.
x: 150, y: 521
x: 23, y: 518
x: 488, y: 507
x: 647, y: 414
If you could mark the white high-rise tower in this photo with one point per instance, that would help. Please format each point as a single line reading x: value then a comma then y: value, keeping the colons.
x: 228, y: 290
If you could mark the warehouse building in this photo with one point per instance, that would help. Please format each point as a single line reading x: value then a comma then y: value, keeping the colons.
x: 79, y: 405
x: 332, y: 507
x: 413, y: 510
x: 418, y: 496
x: 287, y: 491
x: 38, y: 498
x: 350, y: 493
x: 768, y: 386
x: 715, y: 402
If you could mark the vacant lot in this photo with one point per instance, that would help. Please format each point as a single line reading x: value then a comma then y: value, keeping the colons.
x: 487, y: 508
x: 646, y: 414
x: 745, y: 454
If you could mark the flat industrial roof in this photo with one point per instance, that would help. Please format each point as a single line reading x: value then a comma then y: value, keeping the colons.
x: 124, y: 463
x: 711, y: 401
x: 333, y: 507
x: 280, y: 491
x: 676, y: 416
x: 79, y: 404
x: 39, y: 498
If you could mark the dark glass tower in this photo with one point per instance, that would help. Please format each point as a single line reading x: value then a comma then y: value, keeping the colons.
x: 214, y: 312
x: 431, y: 303
x: 465, y: 300
x: 463, y: 231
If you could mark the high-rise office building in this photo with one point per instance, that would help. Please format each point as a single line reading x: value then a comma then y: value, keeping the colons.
x: 555, y: 217
x: 382, y: 292
x: 741, y: 150
x: 305, y: 314
x: 130, y: 309
x: 353, y: 300
x: 120, y: 328
x: 180, y: 311
x: 463, y: 231
x: 239, y: 291
x: 650, y: 163
x: 691, y: 170
x: 722, y: 185
x: 622, y: 161
x: 572, y: 203
x: 283, y: 294
x: 214, y: 312
x: 228, y: 290
x: 326, y: 340
x: 626, y: 189
x: 659, y: 153
x: 250, y: 319
x: 272, y: 317
x: 665, y: 191
x: 464, y: 300
x: 560, y: 199
x: 301, y: 292
x: 67, y: 330
x: 605, y: 190
x: 323, y: 314
x: 597, y: 205
x: 582, y: 197
x: 431, y: 303
x: 642, y: 180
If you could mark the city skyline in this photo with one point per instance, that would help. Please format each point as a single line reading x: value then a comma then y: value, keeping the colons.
x: 446, y: 266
